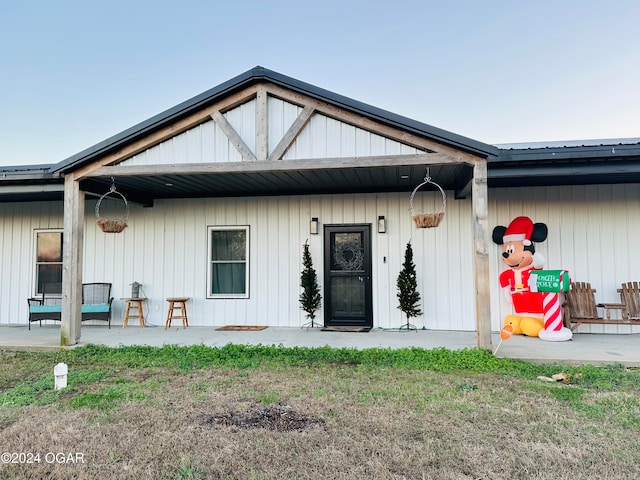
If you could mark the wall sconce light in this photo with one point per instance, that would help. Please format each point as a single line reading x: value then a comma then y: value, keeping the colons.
x: 382, y: 224
x: 313, y: 226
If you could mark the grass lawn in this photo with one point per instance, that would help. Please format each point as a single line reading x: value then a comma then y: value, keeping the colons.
x: 267, y: 412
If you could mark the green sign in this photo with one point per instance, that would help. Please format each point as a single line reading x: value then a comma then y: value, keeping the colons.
x: 549, y: 281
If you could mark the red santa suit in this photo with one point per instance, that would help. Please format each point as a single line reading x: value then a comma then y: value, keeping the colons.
x: 517, y: 280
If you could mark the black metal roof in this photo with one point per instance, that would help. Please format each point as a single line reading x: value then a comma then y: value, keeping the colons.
x: 567, y: 163
x: 553, y: 163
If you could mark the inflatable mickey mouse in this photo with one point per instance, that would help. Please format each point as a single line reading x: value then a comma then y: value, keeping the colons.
x: 520, y: 257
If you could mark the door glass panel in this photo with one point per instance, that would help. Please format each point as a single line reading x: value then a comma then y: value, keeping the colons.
x: 347, y: 297
x: 347, y: 252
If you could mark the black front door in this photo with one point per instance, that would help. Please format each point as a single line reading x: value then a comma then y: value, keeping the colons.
x: 347, y: 267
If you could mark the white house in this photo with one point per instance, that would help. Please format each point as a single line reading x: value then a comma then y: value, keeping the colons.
x: 225, y: 189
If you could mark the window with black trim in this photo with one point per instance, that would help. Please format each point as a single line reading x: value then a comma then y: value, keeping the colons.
x: 228, y: 262
x: 48, y: 258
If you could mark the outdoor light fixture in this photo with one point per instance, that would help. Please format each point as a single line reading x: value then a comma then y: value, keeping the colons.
x: 382, y: 224
x: 313, y: 226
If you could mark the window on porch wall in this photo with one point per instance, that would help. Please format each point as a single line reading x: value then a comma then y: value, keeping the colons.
x: 48, y: 258
x: 228, y: 266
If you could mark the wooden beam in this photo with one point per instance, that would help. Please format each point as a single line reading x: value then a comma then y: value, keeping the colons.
x: 291, y: 134
x: 72, y: 255
x: 279, y: 166
x: 479, y: 201
x: 234, y: 138
x: 262, y: 125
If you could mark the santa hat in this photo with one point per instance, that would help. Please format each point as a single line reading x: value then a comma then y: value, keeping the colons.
x: 520, y: 229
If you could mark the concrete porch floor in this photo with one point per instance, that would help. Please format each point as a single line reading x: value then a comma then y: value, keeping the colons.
x: 593, y: 349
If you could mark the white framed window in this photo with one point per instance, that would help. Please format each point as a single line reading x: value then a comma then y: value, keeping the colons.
x: 47, y: 258
x: 228, y: 261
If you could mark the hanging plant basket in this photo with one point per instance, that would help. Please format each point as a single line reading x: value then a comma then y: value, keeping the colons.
x: 112, y: 225
x: 429, y: 219
x: 109, y: 225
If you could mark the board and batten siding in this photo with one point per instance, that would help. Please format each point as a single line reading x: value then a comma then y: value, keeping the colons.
x: 165, y: 249
x: 591, y: 233
x: 18, y: 223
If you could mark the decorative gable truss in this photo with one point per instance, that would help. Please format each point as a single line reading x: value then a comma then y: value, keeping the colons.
x: 293, y: 133
x: 266, y: 127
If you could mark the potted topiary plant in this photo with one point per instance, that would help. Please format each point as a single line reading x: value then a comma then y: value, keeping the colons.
x: 408, y: 295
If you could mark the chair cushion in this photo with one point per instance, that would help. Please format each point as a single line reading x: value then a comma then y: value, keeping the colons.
x: 95, y: 308
x: 45, y: 308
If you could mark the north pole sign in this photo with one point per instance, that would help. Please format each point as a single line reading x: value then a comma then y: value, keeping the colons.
x: 549, y: 281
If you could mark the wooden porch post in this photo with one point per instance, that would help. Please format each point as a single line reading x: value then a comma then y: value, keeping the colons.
x: 262, y: 125
x: 72, y: 262
x: 479, y: 196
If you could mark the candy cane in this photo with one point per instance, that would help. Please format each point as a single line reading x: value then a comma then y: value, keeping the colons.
x: 552, y: 312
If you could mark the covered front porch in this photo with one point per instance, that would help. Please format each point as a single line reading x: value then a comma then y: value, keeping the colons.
x: 267, y: 136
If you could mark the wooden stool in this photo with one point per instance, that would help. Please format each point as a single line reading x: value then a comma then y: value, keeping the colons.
x: 136, y: 304
x: 177, y: 310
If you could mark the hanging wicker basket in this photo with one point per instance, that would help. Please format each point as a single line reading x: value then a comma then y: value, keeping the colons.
x: 111, y: 225
x: 432, y: 219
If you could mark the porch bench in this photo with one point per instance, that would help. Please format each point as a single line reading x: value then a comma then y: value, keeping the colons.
x: 96, y: 303
x: 581, y: 307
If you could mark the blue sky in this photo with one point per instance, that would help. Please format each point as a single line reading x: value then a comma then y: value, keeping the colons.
x: 77, y: 72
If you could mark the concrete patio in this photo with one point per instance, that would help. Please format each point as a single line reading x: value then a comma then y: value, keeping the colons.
x: 590, y: 349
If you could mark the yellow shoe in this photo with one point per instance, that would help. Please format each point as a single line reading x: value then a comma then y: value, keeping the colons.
x: 531, y: 326
x: 514, y: 321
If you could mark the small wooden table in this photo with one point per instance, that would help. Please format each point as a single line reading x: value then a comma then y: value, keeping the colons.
x: 177, y: 310
x: 611, y: 306
x: 135, y: 304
